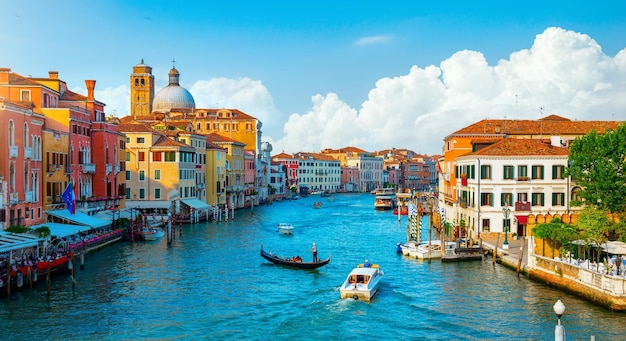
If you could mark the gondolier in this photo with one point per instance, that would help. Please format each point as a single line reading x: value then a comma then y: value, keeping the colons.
x: 314, y: 252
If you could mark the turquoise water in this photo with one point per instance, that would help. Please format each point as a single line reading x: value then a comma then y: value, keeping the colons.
x: 212, y: 284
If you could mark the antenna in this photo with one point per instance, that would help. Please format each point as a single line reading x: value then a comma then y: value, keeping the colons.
x: 541, y: 123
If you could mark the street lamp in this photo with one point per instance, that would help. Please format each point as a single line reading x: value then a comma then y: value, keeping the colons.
x: 559, y: 330
x: 506, y: 211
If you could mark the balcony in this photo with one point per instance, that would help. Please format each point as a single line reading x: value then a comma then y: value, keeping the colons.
x: 88, y: 167
x: 522, y: 206
x: 28, y: 152
x: 13, y: 151
x: 523, y: 178
x: 29, y: 196
x: 200, y: 186
x: 51, y: 168
x: 14, y: 199
x: 109, y: 169
x: 117, y: 169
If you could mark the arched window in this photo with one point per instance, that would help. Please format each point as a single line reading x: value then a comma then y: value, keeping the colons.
x: 136, y: 82
x: 11, y: 133
x: 25, y: 135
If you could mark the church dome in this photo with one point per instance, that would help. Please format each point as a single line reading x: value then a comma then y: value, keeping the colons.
x: 173, y: 96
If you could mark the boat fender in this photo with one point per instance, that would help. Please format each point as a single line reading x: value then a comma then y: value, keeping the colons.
x: 356, y: 297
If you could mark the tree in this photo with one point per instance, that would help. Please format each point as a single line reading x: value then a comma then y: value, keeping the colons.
x: 597, y: 164
x: 596, y: 226
x: 556, y: 231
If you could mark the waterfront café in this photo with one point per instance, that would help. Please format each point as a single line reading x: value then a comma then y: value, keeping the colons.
x: 80, y: 230
x: 612, y: 258
x: 14, y: 245
x: 196, y: 209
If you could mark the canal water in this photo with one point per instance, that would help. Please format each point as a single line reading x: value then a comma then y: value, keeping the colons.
x: 212, y: 284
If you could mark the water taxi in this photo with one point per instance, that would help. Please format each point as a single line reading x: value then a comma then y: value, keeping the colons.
x: 285, y: 228
x: 152, y: 233
x: 384, y: 199
x: 362, y: 283
x: 436, y: 251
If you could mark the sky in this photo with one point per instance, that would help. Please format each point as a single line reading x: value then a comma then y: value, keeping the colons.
x: 330, y: 74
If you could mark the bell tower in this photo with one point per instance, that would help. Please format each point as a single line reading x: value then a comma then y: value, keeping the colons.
x: 141, y: 90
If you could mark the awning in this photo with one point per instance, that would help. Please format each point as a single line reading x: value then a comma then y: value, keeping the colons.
x: 63, y: 230
x: 614, y: 248
x: 522, y: 219
x: 79, y: 218
x: 16, y: 241
x: 148, y: 204
x: 195, y: 203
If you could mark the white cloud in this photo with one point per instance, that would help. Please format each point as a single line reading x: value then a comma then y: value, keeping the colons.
x: 372, y: 40
x: 564, y: 72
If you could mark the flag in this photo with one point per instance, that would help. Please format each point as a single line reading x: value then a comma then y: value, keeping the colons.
x: 68, y: 197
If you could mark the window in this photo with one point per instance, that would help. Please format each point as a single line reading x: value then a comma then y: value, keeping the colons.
x: 127, y: 175
x: 509, y: 172
x: 486, y: 199
x: 486, y: 226
x: 141, y: 140
x: 142, y: 156
x: 558, y: 199
x: 537, y: 172
x: 142, y: 193
x: 157, y: 193
x: 127, y: 193
x: 522, y: 197
x: 558, y: 172
x: 485, y: 172
x: 170, y: 156
x: 506, y: 199
x: 127, y: 156
x: 537, y: 199
x: 25, y: 95
x: 157, y: 156
x: 142, y: 175
x: 157, y: 174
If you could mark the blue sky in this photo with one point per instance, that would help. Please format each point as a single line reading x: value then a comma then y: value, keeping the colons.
x: 328, y: 74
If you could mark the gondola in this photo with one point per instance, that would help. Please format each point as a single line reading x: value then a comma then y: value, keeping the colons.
x: 299, y: 265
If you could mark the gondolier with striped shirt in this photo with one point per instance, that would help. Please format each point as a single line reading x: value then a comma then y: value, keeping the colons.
x: 314, y: 252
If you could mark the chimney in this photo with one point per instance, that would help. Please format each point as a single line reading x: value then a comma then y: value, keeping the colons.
x: 4, y: 75
x: 53, y: 74
x: 91, y: 85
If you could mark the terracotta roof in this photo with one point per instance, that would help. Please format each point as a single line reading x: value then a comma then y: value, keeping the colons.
x: 72, y: 96
x: 135, y: 127
x: 17, y: 79
x: 191, y: 113
x: 283, y: 155
x: 165, y: 141
x: 522, y: 147
x: 552, y: 125
x: 217, y: 138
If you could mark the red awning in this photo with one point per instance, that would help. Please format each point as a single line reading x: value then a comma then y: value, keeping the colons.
x: 522, y: 219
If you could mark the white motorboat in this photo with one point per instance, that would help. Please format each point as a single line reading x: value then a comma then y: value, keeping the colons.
x: 285, y: 228
x: 362, y: 283
x: 421, y: 251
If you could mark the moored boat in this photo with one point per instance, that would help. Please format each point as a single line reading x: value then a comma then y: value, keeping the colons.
x: 294, y: 262
x: 362, y: 283
x: 317, y: 204
x: 436, y: 250
x: 152, y: 233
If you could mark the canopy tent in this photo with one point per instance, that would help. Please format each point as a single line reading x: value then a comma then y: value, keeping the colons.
x: 614, y: 248
x: 163, y: 204
x: 79, y: 218
x: 16, y: 241
x: 64, y: 230
x: 195, y: 203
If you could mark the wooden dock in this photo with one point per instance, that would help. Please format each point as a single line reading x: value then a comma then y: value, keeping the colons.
x: 463, y: 254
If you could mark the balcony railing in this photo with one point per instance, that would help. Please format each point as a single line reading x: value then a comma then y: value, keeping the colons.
x: 522, y: 206
x: 117, y: 169
x: 14, y: 199
x: 13, y: 151
x: 88, y: 167
x: 29, y: 196
x: 109, y: 169
x: 28, y: 152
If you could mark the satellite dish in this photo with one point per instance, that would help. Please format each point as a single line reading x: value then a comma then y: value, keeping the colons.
x: 173, y: 195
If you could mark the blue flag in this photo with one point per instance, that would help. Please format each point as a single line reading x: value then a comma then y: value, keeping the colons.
x: 69, y: 199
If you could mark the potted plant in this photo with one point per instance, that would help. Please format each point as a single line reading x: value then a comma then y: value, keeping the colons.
x: 514, y: 235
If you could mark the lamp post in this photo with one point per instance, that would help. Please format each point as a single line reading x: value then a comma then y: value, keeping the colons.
x: 506, y: 211
x: 559, y: 330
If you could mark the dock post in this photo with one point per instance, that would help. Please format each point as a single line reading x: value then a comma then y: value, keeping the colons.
x: 82, y: 259
x: 495, y: 249
x: 521, y: 256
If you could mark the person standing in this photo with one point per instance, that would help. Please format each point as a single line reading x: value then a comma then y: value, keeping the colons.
x: 314, y: 252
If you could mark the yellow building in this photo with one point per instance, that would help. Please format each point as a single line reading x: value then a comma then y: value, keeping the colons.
x: 216, y: 158
x: 235, y: 174
x: 55, y: 162
x: 158, y: 169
